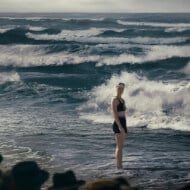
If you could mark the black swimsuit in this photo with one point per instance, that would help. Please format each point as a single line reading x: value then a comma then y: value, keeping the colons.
x: 120, y: 107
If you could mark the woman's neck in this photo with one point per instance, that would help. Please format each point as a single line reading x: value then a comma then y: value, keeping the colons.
x: 118, y: 96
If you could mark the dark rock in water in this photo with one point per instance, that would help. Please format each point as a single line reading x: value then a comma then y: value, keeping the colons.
x: 140, y: 126
x: 143, y: 126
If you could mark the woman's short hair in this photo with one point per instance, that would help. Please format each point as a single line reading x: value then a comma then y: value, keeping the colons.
x: 120, y: 84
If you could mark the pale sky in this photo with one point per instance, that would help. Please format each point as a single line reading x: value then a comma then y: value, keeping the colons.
x: 95, y: 6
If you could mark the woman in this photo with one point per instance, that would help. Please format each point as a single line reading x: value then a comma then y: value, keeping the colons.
x: 119, y: 125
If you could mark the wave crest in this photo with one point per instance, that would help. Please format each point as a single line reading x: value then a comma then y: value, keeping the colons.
x: 9, y: 77
x: 30, y: 55
x: 164, y: 105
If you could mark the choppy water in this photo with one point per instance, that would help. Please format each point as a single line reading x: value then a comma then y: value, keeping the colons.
x: 57, y: 77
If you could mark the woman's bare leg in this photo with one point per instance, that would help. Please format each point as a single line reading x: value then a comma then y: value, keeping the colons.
x: 120, y: 138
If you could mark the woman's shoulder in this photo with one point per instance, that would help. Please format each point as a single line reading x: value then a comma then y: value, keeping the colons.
x: 114, y: 98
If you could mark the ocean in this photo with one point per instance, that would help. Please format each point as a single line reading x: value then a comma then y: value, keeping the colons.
x: 58, y: 73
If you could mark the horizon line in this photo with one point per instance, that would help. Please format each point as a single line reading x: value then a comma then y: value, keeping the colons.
x: 114, y: 12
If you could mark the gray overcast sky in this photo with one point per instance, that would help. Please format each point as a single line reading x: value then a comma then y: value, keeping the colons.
x: 94, y: 5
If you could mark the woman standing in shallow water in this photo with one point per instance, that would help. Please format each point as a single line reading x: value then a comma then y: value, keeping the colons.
x: 119, y: 125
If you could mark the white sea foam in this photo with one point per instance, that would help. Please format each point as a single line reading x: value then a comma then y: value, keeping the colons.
x: 186, y: 70
x: 32, y: 28
x: 36, y: 28
x: 90, y: 36
x: 4, y: 29
x: 146, y: 102
x: 66, y: 34
x: 177, y: 29
x: 153, y: 53
x: 154, y: 24
x: 25, y: 18
x: 71, y: 34
x: 32, y: 55
x: 52, y: 18
x: 9, y: 77
x: 149, y: 40
x: 78, y: 19
x: 35, y: 18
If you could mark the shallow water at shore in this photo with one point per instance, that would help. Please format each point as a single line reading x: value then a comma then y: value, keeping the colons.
x: 149, y: 160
